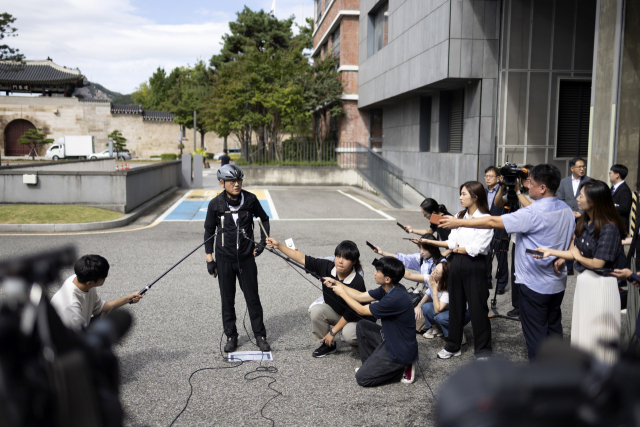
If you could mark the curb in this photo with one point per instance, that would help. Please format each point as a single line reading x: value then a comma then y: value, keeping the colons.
x: 89, y: 226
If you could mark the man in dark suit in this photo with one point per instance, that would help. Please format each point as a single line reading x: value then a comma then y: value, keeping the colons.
x: 620, y: 191
x: 570, y: 189
x: 570, y: 186
x: 491, y: 179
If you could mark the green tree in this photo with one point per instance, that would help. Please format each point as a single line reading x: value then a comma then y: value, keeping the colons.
x: 8, y: 53
x: 322, y: 88
x: 119, y: 142
x: 256, y: 29
x: 34, y: 138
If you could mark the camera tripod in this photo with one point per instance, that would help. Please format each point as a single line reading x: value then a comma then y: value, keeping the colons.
x: 500, y: 247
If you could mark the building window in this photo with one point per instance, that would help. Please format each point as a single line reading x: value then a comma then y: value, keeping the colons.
x: 318, y: 10
x: 451, y: 121
x: 335, y: 46
x: 378, y: 29
x: 375, y: 128
x: 425, y: 124
x: 333, y: 128
x: 572, y: 139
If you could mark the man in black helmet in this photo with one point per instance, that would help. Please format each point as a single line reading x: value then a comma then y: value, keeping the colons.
x: 230, y: 216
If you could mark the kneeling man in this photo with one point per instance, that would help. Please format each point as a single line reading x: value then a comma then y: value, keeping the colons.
x: 388, y: 352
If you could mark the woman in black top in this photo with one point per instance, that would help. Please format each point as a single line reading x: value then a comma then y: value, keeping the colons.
x: 597, y: 245
x: 428, y: 207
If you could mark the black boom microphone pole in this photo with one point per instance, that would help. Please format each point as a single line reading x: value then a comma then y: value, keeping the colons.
x: 146, y: 288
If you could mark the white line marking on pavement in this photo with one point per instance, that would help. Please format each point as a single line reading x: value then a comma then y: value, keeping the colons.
x: 175, y: 205
x: 367, y: 205
x: 274, y: 213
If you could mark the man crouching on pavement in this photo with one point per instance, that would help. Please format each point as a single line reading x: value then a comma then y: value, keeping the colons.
x: 388, y: 352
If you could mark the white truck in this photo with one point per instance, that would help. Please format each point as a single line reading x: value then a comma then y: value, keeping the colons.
x: 71, y: 147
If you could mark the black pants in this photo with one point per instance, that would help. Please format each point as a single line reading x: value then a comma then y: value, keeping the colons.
x: 467, y: 283
x: 376, y: 367
x: 247, y: 273
x: 540, y: 316
x: 502, y: 273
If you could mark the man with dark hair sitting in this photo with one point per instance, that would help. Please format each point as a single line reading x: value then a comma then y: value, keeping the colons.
x: 77, y: 300
x: 388, y: 352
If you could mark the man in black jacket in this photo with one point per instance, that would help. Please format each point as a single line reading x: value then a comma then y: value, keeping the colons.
x: 230, y: 217
x: 620, y: 191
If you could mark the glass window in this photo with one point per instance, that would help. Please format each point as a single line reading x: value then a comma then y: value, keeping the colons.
x: 335, y: 40
x: 381, y: 27
x: 318, y: 10
x: 573, y: 119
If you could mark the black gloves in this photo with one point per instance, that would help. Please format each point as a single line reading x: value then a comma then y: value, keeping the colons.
x: 258, y: 250
x: 212, y: 268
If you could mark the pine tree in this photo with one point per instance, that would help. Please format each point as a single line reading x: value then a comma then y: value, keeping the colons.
x: 33, y: 138
x: 119, y: 142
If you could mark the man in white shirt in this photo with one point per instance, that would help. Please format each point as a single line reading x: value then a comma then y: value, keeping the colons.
x: 77, y: 300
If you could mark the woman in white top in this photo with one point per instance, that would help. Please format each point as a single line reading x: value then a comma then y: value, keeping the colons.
x: 468, y: 276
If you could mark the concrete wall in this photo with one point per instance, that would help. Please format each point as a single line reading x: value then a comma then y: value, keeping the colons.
x: 120, y: 191
x: 98, y: 165
x: 59, y: 116
x: 257, y: 175
x: 543, y: 42
x: 629, y: 114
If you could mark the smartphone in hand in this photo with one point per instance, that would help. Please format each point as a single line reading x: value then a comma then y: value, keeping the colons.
x: 400, y: 225
x: 371, y: 246
x: 603, y: 270
x: 532, y: 252
x: 435, y: 219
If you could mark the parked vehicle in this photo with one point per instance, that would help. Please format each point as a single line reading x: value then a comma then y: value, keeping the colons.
x: 122, y: 155
x: 234, y: 154
x: 71, y: 147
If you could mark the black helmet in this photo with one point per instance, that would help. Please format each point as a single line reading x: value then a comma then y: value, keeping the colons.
x: 229, y: 172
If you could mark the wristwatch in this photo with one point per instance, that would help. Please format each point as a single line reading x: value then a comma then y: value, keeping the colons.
x: 333, y: 334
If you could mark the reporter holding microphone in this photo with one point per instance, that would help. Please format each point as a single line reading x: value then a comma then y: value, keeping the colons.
x: 468, y: 275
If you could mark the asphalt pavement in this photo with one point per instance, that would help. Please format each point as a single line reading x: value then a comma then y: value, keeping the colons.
x: 177, y: 328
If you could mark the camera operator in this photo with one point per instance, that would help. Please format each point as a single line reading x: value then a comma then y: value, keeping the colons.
x: 522, y: 191
x: 77, y: 300
x: 493, y: 187
x: 548, y: 222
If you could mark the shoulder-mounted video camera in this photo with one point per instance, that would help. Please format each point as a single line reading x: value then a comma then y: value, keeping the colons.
x: 511, y: 172
x: 50, y: 375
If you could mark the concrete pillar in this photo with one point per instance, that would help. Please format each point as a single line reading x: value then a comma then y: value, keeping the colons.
x: 197, y: 171
x: 605, y: 88
x: 186, y: 171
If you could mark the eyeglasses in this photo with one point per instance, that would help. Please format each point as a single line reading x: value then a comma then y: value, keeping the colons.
x: 580, y: 167
x: 235, y: 181
x: 489, y: 176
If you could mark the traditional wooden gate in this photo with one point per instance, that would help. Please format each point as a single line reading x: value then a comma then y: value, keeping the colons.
x: 12, y: 133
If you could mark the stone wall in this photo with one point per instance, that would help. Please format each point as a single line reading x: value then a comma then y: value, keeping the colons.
x: 59, y: 117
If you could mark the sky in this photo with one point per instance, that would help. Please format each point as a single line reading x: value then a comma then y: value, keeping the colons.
x: 120, y: 43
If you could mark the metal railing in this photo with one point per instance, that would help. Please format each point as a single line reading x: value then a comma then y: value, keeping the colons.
x: 383, y: 175
x: 292, y: 152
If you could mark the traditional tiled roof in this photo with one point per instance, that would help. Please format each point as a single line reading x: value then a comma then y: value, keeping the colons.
x: 39, y: 72
x: 157, y: 116
x: 95, y: 100
x: 126, y: 109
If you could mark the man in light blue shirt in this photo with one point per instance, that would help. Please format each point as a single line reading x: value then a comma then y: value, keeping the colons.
x: 547, y: 222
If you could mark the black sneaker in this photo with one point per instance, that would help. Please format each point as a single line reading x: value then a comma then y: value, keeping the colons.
x: 232, y: 344
x: 514, y: 313
x: 263, y: 344
x: 323, y: 350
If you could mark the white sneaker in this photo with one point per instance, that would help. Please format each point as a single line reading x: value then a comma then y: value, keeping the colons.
x: 434, y: 331
x: 444, y: 354
x: 357, y: 370
x: 409, y: 375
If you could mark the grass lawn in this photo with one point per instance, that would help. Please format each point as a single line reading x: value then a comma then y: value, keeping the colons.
x: 53, y: 214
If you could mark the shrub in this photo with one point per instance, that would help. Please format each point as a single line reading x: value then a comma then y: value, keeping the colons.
x: 155, y: 157
x: 165, y: 157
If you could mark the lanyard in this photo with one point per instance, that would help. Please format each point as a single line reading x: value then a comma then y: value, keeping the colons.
x: 390, y: 291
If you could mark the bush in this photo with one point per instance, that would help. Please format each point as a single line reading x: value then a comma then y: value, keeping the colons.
x: 155, y: 157
x: 165, y: 157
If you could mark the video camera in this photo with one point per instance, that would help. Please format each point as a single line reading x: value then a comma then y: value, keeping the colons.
x: 563, y: 387
x: 50, y: 375
x: 511, y: 172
